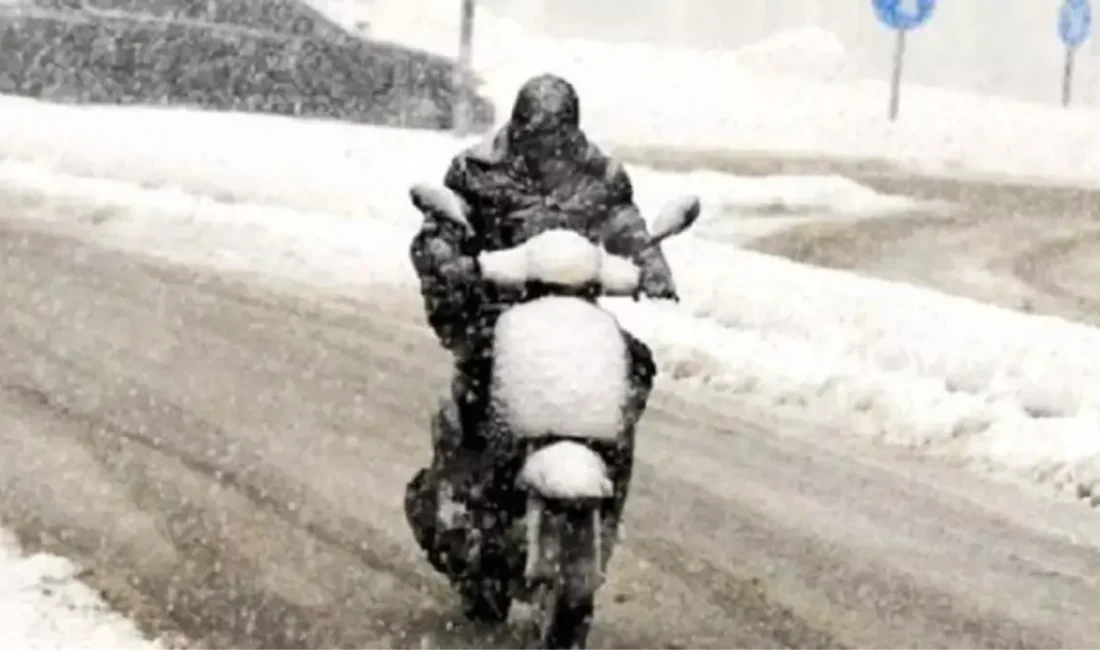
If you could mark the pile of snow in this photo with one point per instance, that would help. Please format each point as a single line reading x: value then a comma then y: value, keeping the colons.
x: 239, y: 158
x: 896, y: 362
x: 714, y: 99
x: 775, y: 195
x: 892, y: 360
x: 805, y: 52
x: 44, y: 605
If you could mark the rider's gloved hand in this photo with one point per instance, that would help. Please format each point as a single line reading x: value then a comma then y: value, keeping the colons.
x: 657, y: 287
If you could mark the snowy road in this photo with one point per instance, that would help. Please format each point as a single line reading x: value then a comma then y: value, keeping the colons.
x: 227, y: 458
x: 1030, y: 247
x: 1034, y: 249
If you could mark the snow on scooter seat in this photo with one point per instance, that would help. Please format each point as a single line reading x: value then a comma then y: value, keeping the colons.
x: 897, y: 362
x: 560, y: 367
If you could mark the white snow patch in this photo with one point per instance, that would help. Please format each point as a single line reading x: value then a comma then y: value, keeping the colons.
x: 819, y: 195
x: 896, y: 362
x: 331, y: 167
x: 566, y: 470
x: 192, y: 228
x: 43, y: 605
x: 561, y: 257
x: 807, y: 52
x: 561, y: 368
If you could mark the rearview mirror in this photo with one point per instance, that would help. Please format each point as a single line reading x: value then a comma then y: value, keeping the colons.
x: 439, y: 201
x: 674, y: 218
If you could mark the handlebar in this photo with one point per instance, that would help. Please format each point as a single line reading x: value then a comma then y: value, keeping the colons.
x: 563, y: 258
x: 559, y: 257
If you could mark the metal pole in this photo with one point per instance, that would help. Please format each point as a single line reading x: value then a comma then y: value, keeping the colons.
x: 461, y: 116
x: 895, y: 75
x: 1067, y: 77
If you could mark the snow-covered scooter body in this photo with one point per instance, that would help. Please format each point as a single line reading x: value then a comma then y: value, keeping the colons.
x: 560, y: 392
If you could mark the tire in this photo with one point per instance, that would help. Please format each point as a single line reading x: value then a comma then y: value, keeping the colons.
x: 564, y: 605
x: 564, y: 623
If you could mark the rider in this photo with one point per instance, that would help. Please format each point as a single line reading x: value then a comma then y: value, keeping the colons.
x: 537, y: 172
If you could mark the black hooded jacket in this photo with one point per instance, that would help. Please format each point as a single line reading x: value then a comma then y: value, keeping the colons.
x: 536, y: 173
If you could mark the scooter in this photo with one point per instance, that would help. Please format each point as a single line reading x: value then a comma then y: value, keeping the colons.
x: 558, y: 401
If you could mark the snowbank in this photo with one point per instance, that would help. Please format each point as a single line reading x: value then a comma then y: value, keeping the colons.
x: 896, y: 362
x: 332, y: 167
x: 718, y: 100
x: 808, y: 53
x: 44, y: 606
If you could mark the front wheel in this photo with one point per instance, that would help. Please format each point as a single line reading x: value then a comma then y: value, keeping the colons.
x: 561, y: 622
x: 567, y: 569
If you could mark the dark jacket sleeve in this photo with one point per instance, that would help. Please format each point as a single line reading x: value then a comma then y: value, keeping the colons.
x: 447, y: 270
x: 626, y: 234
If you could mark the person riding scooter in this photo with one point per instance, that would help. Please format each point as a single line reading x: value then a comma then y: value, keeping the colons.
x: 539, y: 171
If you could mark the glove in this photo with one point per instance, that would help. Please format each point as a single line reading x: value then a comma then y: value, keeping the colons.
x: 657, y: 286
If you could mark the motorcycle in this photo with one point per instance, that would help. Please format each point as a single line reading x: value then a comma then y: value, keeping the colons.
x: 558, y: 404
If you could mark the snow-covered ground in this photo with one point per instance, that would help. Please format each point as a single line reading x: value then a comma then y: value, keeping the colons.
x: 326, y: 203
x: 795, y: 92
x: 335, y: 168
x: 43, y: 605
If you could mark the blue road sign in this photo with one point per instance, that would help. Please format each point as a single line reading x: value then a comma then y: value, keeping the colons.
x: 1074, y: 22
x: 903, y: 14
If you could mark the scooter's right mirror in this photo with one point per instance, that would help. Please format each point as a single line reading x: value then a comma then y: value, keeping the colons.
x: 440, y: 201
x: 675, y: 217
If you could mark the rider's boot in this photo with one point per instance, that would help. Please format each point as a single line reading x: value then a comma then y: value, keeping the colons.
x: 443, y: 527
x: 429, y: 511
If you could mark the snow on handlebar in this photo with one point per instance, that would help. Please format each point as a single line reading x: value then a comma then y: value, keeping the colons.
x: 561, y: 257
x: 564, y: 258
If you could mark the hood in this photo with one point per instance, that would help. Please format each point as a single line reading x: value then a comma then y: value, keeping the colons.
x: 545, y: 117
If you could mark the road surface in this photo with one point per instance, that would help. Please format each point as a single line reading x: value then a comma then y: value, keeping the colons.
x: 1014, y: 243
x: 227, y: 455
x: 999, y: 245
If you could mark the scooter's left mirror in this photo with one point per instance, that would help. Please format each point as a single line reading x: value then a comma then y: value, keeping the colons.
x: 675, y: 217
x: 439, y: 201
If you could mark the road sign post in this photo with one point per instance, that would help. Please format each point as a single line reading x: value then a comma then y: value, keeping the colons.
x: 461, y: 107
x: 900, y: 16
x: 895, y: 75
x: 1074, y: 26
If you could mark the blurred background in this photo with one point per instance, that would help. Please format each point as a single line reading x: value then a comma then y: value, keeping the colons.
x: 273, y: 56
x: 1000, y: 47
x: 392, y: 62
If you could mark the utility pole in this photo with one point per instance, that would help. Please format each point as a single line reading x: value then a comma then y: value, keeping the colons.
x: 463, y: 71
